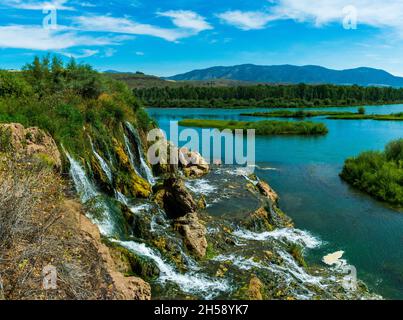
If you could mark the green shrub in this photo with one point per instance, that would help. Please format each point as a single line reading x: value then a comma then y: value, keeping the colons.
x: 380, y: 174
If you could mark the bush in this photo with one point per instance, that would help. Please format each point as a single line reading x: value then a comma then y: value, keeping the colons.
x: 380, y: 174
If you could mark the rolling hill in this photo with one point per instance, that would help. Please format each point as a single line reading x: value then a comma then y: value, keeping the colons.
x: 294, y: 74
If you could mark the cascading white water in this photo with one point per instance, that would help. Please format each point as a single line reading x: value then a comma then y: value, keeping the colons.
x: 292, y: 235
x: 88, y: 192
x: 192, y: 282
x: 105, y: 167
x: 144, y: 166
x: 83, y: 185
x: 121, y: 198
x: 132, y: 158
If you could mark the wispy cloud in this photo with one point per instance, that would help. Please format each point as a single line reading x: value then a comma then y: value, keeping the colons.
x: 375, y: 13
x: 188, y: 25
x: 86, y: 53
x: 38, y: 38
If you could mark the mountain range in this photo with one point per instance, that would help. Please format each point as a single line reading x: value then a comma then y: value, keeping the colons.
x: 294, y: 74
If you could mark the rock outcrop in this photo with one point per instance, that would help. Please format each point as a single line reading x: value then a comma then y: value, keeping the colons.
x: 30, y: 142
x: 268, y: 192
x: 192, y: 163
x: 175, y: 198
x: 180, y: 206
x: 126, y: 288
x: 194, y: 234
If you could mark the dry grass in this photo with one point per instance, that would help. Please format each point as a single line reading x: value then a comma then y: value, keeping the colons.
x: 37, y: 229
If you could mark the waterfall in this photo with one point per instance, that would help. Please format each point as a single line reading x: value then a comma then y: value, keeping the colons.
x: 88, y: 192
x: 121, y: 198
x: 131, y: 155
x: 192, y: 282
x: 105, y: 167
x: 144, y: 166
x: 82, y: 183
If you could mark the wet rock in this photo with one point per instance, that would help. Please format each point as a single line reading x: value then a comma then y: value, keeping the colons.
x: 30, y: 142
x: 193, y: 164
x: 194, y: 234
x: 174, y: 197
x: 267, y: 191
x: 258, y: 221
x: 166, y: 153
x: 202, y: 204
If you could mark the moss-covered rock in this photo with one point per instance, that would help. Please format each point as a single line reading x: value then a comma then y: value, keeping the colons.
x: 132, y: 264
x: 258, y: 221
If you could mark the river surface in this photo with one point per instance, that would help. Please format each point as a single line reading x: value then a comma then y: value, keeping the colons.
x: 305, y: 172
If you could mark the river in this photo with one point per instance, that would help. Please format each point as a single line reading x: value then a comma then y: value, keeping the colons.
x: 306, y: 177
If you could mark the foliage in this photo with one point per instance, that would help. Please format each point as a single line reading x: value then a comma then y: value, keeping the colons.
x: 67, y: 100
x: 263, y: 96
x: 380, y: 174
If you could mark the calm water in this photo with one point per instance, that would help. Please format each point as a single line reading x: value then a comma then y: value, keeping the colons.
x: 306, y: 177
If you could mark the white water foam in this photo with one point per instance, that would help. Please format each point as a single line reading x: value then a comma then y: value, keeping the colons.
x: 201, y: 186
x: 292, y: 235
x: 139, y: 208
x: 190, y: 282
x: 121, y: 198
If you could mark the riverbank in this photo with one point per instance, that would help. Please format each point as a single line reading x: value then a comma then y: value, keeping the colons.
x: 260, y: 127
x: 44, y: 226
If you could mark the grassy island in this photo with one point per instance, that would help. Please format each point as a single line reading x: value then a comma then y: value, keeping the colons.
x: 379, y: 174
x: 261, y: 127
x: 296, y: 114
x: 379, y: 117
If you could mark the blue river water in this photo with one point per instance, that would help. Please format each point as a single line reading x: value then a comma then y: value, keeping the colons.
x: 306, y: 176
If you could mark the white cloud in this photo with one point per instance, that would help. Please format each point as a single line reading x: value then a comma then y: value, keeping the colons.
x: 139, y: 53
x: 38, y: 38
x: 127, y: 26
x: 246, y: 20
x: 86, y: 53
x: 370, y: 12
x: 375, y: 13
x: 187, y: 20
x: 38, y: 5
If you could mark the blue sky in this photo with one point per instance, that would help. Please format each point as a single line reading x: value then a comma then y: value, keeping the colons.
x: 167, y: 37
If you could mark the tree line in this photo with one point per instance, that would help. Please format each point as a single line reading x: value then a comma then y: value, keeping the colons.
x: 300, y: 95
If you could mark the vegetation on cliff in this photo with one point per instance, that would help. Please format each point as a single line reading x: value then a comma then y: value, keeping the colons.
x: 69, y: 101
x: 261, y: 127
x: 379, y: 174
x: 267, y: 96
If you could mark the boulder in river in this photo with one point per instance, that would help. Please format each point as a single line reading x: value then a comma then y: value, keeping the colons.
x: 175, y: 198
x: 192, y: 163
x: 194, y: 234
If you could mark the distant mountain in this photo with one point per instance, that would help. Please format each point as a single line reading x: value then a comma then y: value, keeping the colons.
x: 294, y: 74
x: 114, y: 71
